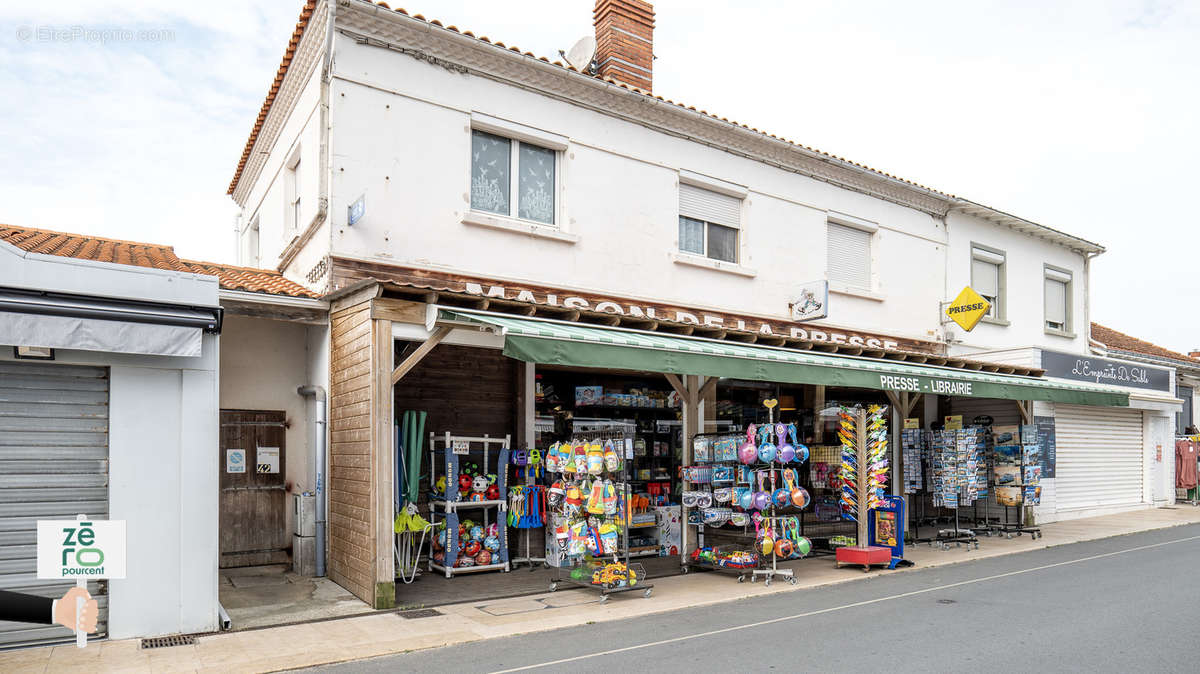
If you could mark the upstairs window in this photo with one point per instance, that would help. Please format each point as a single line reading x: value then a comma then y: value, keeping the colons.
x: 504, y: 167
x: 848, y: 256
x: 987, y: 278
x: 709, y: 223
x: 1058, y: 301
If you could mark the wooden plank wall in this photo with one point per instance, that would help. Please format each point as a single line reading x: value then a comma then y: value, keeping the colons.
x: 351, y: 530
x: 465, y: 390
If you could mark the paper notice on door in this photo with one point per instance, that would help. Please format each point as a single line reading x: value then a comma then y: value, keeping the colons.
x: 235, y: 461
x: 268, y: 460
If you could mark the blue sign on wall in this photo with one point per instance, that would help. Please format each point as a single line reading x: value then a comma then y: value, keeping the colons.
x: 1104, y: 371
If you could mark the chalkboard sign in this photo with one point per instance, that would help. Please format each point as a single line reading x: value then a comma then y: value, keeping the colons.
x: 1046, y: 440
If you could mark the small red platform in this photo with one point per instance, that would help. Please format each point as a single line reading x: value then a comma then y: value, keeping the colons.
x: 864, y: 556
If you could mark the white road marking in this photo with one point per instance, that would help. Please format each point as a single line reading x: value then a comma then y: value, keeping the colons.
x: 856, y: 604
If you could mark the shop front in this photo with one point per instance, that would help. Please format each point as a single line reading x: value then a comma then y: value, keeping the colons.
x: 480, y: 371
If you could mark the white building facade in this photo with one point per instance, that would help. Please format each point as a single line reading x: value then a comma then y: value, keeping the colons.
x: 404, y: 151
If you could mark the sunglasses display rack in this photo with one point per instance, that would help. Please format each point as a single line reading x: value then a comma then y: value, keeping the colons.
x: 590, y: 513
x: 747, y: 481
x: 467, y: 487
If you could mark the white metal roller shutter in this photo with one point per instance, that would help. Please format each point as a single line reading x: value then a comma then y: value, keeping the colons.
x: 848, y: 256
x: 53, y: 465
x: 1100, y: 459
x: 701, y: 204
x: 1002, y: 412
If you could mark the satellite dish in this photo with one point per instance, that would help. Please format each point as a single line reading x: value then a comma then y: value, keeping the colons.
x: 581, y: 55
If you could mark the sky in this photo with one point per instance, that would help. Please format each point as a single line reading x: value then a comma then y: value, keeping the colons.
x: 126, y: 119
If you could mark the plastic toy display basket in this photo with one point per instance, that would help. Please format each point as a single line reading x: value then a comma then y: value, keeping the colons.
x: 732, y: 559
x: 605, y: 575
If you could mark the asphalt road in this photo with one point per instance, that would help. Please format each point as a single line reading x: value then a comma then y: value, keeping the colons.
x: 1128, y: 603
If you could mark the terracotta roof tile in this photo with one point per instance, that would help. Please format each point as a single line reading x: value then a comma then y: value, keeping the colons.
x: 150, y: 255
x: 1123, y: 342
x: 310, y: 6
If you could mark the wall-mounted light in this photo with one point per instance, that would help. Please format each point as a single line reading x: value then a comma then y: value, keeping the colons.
x: 33, y: 352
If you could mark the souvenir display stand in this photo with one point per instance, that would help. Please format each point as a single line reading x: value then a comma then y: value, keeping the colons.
x: 864, y: 475
x: 590, y: 510
x: 955, y: 457
x: 720, y: 490
x: 527, y: 503
x: 466, y: 487
x: 1017, y: 476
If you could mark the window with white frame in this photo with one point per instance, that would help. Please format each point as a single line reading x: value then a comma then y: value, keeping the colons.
x: 987, y: 278
x: 292, y: 190
x: 848, y: 256
x: 709, y: 223
x: 513, y: 178
x: 1058, y: 300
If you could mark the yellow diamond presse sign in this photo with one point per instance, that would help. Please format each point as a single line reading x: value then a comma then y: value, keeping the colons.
x: 968, y: 308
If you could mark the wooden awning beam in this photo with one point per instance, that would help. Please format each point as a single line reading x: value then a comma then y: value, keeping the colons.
x: 417, y: 356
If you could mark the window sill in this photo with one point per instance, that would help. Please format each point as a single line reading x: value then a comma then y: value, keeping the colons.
x: 840, y: 289
x: 516, y: 226
x: 715, y: 265
x: 995, y: 321
x: 1060, y: 333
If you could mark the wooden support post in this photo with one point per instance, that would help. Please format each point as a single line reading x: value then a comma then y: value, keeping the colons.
x: 526, y: 399
x: 1026, y: 409
x: 383, y: 463
x: 691, y: 425
x: 416, y: 356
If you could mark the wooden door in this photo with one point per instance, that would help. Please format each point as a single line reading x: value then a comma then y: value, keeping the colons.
x: 253, y: 499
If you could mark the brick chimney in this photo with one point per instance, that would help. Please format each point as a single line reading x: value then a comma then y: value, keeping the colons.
x: 625, y: 41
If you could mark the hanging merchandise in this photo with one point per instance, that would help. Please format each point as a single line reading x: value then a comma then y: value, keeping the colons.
x: 591, y: 512
x: 864, y: 437
x: 743, y: 480
x: 912, y: 443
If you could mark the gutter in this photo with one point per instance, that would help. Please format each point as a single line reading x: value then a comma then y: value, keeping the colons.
x: 319, y: 463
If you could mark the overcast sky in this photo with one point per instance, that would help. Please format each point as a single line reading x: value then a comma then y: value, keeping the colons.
x: 1078, y: 115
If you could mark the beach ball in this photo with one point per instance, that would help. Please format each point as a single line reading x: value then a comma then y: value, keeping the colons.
x: 439, y: 540
x: 761, y: 500
x: 781, y: 497
x: 801, y: 453
x: 784, y: 548
x: 748, y: 453
x: 800, y: 498
x: 477, y: 533
x: 747, y: 500
x: 803, y: 546
x: 787, y: 453
x: 471, y: 549
x: 491, y: 544
x: 766, y: 452
x: 483, y: 558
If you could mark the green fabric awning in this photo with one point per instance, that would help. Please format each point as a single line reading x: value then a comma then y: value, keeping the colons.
x: 572, y: 344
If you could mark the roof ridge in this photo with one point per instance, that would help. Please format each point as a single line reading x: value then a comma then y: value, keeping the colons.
x: 222, y: 265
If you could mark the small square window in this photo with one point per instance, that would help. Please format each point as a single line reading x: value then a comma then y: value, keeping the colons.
x: 709, y: 223
x: 502, y: 167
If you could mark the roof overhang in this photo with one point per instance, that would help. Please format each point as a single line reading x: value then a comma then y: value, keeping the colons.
x: 1028, y: 227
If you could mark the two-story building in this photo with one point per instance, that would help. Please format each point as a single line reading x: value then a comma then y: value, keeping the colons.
x: 494, y: 230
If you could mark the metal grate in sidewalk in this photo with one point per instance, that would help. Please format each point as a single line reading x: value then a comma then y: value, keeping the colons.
x: 167, y: 642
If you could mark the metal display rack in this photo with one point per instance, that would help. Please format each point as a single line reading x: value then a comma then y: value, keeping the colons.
x: 953, y: 471
x: 579, y: 573
x: 450, y: 448
x: 770, y: 518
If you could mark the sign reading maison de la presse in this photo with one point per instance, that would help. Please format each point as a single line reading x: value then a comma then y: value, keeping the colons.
x: 1104, y: 371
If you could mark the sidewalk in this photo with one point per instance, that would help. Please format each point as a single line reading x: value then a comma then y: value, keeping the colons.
x: 384, y: 633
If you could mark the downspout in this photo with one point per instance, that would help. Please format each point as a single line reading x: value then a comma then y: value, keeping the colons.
x: 318, y: 465
x: 1092, y: 345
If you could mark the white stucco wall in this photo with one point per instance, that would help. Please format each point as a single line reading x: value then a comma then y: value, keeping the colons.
x: 263, y: 362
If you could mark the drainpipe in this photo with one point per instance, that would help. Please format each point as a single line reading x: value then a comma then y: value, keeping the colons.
x: 1093, y: 345
x: 318, y: 395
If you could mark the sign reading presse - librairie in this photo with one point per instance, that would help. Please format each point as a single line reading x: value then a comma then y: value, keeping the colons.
x: 80, y: 549
x: 1104, y: 371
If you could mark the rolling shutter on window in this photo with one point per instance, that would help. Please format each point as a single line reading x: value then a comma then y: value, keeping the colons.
x: 1100, y: 457
x: 985, y: 278
x: 1056, y: 301
x: 849, y: 255
x: 702, y: 204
